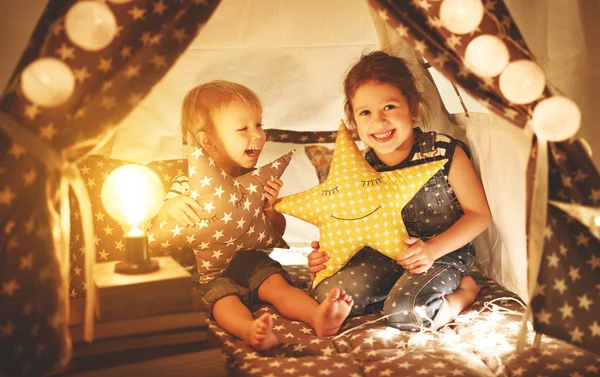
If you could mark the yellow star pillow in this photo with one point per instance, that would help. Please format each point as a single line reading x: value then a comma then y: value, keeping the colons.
x: 357, y: 206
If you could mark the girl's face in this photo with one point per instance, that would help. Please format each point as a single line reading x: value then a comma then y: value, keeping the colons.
x: 237, y: 138
x: 383, y: 118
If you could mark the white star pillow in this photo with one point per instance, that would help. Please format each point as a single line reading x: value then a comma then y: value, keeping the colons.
x: 232, y: 220
x: 357, y: 206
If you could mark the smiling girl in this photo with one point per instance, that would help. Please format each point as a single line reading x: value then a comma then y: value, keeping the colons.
x: 429, y: 284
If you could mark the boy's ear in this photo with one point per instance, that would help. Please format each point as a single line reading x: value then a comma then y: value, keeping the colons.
x: 203, y: 139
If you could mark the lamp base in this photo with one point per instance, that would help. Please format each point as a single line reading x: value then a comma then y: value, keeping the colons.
x: 137, y: 258
x: 127, y: 268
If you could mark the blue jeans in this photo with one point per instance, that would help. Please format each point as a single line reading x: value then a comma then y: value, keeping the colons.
x: 411, y: 301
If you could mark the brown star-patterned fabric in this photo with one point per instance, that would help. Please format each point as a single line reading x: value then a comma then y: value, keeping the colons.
x: 418, y: 22
x: 300, y: 137
x: 232, y: 219
x: 566, y: 303
x: 480, y: 342
x: 108, y: 234
x: 38, y: 150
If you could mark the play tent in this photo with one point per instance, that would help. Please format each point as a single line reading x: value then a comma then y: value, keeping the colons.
x: 125, y: 105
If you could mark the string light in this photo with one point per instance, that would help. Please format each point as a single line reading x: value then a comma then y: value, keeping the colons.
x: 523, y: 81
x: 90, y: 25
x: 47, y: 82
x: 461, y: 16
x: 556, y: 118
x: 486, y: 55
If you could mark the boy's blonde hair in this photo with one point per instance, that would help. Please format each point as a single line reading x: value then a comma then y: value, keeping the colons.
x: 203, y: 104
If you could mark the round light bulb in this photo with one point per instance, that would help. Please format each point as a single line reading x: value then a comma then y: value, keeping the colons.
x: 132, y: 194
x: 461, y: 16
x: 47, y: 82
x: 90, y: 25
x: 523, y: 81
x: 486, y: 55
x: 556, y: 118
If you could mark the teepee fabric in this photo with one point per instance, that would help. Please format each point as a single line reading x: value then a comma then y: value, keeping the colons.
x: 419, y: 23
x: 38, y: 150
x: 566, y: 301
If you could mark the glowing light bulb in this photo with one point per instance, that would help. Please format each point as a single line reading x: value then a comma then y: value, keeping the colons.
x: 461, y: 16
x: 132, y: 194
x: 90, y: 25
x: 523, y: 81
x: 47, y: 82
x: 556, y: 118
x: 486, y: 55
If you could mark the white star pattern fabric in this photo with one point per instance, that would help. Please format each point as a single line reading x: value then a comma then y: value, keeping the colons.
x: 34, y: 140
x: 357, y: 206
x: 232, y: 219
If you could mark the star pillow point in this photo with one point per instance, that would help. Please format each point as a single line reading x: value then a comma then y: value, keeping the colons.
x: 230, y: 220
x: 357, y: 206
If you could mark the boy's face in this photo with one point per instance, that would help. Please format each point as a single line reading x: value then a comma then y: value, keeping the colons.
x: 237, y: 137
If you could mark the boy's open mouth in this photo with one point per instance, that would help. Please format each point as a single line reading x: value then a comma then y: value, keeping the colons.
x: 383, y: 136
x: 253, y: 152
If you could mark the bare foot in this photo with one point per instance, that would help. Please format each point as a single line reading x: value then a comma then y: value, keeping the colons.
x: 261, y: 336
x: 470, y: 288
x: 332, y: 312
x: 457, y: 301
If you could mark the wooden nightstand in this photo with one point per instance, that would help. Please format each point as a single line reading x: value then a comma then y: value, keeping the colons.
x: 138, y: 311
x: 121, y: 297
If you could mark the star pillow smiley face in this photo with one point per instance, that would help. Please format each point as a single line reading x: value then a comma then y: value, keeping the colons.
x: 232, y: 218
x: 357, y: 206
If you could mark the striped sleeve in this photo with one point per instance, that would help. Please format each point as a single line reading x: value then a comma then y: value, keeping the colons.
x: 180, y: 186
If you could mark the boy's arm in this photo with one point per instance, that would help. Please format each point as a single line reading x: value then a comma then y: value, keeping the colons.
x: 178, y: 205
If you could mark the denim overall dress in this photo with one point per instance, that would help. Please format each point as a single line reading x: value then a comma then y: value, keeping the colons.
x: 411, y: 301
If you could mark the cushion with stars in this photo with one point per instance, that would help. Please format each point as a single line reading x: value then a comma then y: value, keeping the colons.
x: 232, y: 219
x: 357, y: 206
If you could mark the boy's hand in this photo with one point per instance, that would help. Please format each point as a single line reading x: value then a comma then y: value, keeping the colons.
x: 272, y: 189
x: 418, y: 258
x: 182, y: 209
x: 316, y: 260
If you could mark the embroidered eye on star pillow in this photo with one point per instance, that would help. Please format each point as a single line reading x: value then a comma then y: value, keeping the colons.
x: 357, y: 206
x: 232, y: 219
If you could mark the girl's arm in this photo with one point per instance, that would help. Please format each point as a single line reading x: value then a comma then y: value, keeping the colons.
x: 469, y: 192
x: 278, y: 221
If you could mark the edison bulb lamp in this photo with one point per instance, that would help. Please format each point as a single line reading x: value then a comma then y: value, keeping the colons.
x: 132, y: 195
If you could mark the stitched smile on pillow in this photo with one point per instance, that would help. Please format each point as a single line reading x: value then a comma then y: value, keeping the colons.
x: 232, y: 219
x: 357, y: 206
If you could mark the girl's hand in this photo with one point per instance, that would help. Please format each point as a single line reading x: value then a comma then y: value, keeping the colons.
x: 418, y: 258
x: 272, y: 189
x: 316, y: 260
x: 182, y: 209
